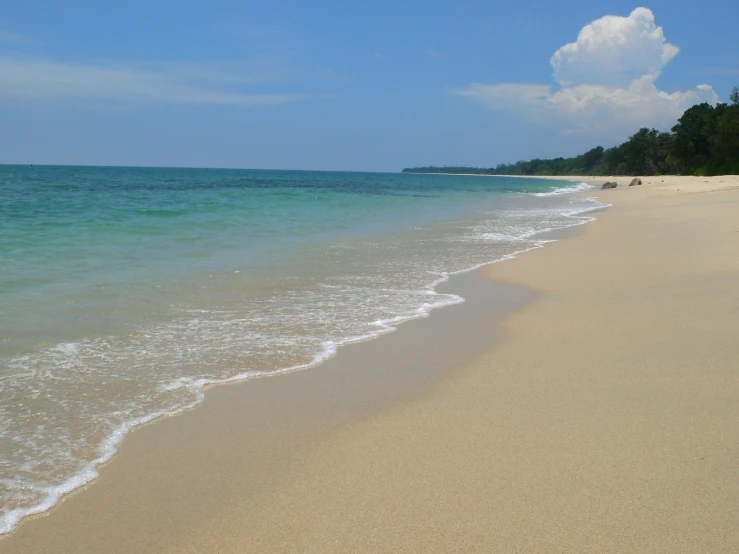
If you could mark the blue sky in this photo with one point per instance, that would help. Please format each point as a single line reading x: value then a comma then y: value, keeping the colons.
x: 358, y: 86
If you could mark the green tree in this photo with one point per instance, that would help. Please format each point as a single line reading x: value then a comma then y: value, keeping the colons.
x: 725, y: 141
x: 705, y: 140
x: 691, y: 147
x: 591, y: 158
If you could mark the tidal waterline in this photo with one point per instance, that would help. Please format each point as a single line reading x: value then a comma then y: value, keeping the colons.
x: 124, y: 291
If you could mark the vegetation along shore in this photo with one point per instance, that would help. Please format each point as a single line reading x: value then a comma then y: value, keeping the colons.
x: 705, y: 141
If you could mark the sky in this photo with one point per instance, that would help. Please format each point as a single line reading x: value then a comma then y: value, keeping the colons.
x: 361, y: 86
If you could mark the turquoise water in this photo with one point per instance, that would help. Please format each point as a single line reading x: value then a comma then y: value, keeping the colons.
x: 124, y: 291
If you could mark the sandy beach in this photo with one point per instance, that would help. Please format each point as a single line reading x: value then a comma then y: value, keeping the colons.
x: 584, y: 399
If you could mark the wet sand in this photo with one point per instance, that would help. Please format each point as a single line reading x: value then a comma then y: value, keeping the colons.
x: 585, y: 399
x: 183, y: 476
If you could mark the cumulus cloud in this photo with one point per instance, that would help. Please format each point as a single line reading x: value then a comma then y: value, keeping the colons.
x: 30, y: 78
x: 606, y: 78
x: 614, y: 50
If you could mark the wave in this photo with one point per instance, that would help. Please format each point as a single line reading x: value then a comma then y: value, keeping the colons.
x: 570, y: 189
x: 522, y: 241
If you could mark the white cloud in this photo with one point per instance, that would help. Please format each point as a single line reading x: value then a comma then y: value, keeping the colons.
x: 42, y: 79
x: 614, y: 50
x: 606, y: 80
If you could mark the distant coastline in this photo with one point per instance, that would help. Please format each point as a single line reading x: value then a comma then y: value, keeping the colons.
x: 704, y: 142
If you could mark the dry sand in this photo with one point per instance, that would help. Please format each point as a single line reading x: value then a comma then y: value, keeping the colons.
x: 605, y: 420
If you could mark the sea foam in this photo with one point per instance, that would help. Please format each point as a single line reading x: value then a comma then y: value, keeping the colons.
x: 226, y: 309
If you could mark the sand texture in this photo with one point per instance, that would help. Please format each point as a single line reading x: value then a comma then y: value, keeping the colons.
x: 606, y: 419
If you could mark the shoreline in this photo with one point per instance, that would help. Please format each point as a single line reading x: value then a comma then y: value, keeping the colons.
x: 672, y: 183
x: 602, y: 422
x: 284, y: 414
x: 327, y: 441
x: 77, y: 484
x: 89, y: 475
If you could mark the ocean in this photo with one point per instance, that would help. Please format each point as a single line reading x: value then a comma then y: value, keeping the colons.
x: 124, y: 292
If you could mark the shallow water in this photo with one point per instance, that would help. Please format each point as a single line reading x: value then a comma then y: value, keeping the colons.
x: 124, y: 291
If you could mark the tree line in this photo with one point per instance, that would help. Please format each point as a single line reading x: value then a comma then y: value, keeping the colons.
x: 705, y: 141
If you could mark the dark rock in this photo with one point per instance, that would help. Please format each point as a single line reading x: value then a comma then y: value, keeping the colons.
x: 609, y: 185
x: 635, y: 182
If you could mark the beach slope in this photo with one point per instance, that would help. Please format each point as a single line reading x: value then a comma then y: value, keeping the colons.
x: 605, y: 420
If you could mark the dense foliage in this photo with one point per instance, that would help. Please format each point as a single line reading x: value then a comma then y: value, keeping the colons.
x: 705, y: 141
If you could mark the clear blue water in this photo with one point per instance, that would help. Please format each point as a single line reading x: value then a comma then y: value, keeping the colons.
x: 124, y: 291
